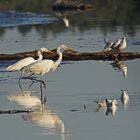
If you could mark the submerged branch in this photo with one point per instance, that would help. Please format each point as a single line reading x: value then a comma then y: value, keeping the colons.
x: 76, y: 56
x: 14, y: 111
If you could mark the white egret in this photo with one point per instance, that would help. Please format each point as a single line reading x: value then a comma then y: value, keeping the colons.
x: 44, y: 66
x: 26, y: 61
x: 124, y: 97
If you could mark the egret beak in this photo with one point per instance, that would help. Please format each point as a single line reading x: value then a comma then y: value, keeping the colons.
x: 68, y: 49
x: 50, y: 53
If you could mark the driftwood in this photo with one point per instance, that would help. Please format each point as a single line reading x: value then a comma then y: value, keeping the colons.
x: 76, y: 56
x: 14, y: 111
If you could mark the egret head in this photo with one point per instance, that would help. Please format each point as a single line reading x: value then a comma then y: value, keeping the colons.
x: 63, y: 47
x: 45, y: 50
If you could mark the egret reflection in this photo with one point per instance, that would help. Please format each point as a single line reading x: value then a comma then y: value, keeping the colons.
x: 25, y: 99
x: 46, y: 118
x: 121, y: 67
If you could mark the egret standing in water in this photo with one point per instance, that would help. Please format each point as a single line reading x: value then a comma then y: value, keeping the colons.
x: 26, y: 61
x: 44, y: 66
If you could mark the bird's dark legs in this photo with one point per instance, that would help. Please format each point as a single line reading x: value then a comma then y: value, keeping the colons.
x: 43, y: 97
x: 19, y: 81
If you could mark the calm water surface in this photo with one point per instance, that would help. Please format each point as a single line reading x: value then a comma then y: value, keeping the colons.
x: 70, y: 112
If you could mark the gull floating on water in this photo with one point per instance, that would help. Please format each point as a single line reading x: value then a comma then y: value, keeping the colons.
x: 101, y: 103
x: 111, y: 107
x: 124, y: 97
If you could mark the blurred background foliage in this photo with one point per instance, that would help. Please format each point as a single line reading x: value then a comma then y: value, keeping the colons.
x: 111, y: 12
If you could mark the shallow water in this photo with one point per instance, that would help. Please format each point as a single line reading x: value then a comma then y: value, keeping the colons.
x: 70, y: 112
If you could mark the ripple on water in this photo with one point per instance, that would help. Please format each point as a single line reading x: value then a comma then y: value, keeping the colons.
x: 13, y: 18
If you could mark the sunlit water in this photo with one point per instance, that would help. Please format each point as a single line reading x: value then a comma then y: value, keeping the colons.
x: 70, y: 112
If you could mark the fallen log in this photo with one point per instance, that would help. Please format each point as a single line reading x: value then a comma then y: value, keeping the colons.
x: 75, y: 55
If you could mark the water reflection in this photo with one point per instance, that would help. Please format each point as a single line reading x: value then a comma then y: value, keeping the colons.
x: 25, y: 99
x: 111, y: 111
x: 38, y: 113
x: 121, y: 67
x: 107, y: 110
x: 46, y: 118
x: 65, y: 14
x: 102, y: 16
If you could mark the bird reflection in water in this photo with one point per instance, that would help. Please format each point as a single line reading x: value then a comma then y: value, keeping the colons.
x: 25, y: 99
x: 107, y: 106
x: 121, y: 67
x: 39, y: 114
x: 46, y: 118
x: 111, y: 107
x: 65, y: 14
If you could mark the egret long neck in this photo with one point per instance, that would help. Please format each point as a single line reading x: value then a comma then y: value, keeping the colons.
x: 57, y: 63
x: 39, y: 56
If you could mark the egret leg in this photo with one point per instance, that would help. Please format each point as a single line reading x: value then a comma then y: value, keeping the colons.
x: 31, y: 84
x: 44, y: 84
x: 43, y: 98
x: 19, y: 81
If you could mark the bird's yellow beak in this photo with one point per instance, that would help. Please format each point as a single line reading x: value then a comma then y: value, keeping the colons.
x: 68, y: 49
x: 50, y: 53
